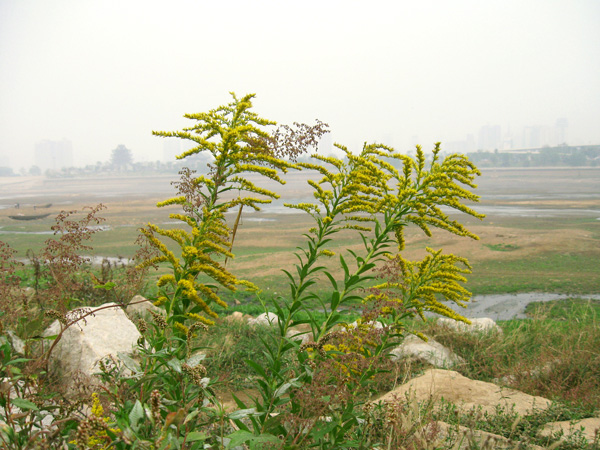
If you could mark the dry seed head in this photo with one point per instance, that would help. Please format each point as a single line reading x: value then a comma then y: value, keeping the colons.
x: 53, y: 314
x: 142, y: 326
x: 155, y: 405
x: 196, y: 373
x: 159, y: 320
x: 87, y: 429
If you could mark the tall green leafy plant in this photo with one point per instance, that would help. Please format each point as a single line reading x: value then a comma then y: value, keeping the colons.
x: 332, y: 371
x: 241, y: 146
x: 310, y: 393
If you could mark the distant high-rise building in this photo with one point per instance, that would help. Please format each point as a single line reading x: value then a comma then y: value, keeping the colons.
x: 561, y: 130
x: 490, y: 137
x: 532, y: 137
x: 470, y: 143
x: 53, y: 155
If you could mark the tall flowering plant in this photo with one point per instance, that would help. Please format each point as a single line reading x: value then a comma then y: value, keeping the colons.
x: 240, y: 145
x: 367, y: 193
x: 378, y: 193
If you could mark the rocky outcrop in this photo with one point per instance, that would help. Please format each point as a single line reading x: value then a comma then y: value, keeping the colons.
x: 466, y: 394
x: 466, y: 438
x: 586, y: 428
x: 469, y: 396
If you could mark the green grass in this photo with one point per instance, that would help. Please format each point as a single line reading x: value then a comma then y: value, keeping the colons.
x: 549, y: 272
x: 561, y: 334
x: 572, y: 310
x: 557, y: 343
x: 502, y: 247
x: 228, y: 346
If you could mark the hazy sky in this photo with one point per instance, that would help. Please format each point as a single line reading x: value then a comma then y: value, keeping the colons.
x: 103, y: 73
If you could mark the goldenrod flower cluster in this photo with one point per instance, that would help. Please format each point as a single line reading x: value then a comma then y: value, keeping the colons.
x: 91, y: 433
x: 391, y: 190
x: 350, y: 349
x: 420, y: 285
x: 239, y: 144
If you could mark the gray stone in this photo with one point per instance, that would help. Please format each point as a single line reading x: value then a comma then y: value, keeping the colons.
x: 432, y: 352
x: 139, y: 308
x: 478, y: 325
x: 267, y: 318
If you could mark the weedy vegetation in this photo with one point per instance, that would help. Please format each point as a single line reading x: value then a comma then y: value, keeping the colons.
x: 304, y: 393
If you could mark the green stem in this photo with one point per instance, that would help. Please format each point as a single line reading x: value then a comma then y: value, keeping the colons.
x: 380, y: 240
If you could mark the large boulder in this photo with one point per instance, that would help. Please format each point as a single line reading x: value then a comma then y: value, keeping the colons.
x: 268, y: 318
x: 301, y: 333
x: 432, y: 352
x: 139, y: 308
x: 105, y: 333
x: 478, y: 325
x: 466, y: 394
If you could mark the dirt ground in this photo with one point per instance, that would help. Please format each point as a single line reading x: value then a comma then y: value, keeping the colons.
x: 529, y: 212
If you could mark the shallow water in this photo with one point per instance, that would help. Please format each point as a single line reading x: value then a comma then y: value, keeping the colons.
x: 511, y: 306
x: 50, y: 232
x: 46, y: 232
x: 94, y: 260
x: 277, y: 207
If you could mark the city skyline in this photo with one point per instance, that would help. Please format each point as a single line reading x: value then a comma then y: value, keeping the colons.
x: 55, y: 155
x: 100, y: 74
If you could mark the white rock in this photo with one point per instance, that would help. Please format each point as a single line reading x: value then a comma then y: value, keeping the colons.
x: 105, y: 333
x: 138, y: 308
x: 479, y: 325
x: 431, y: 351
x: 17, y: 344
x: 267, y: 318
x: 376, y: 325
x: 301, y: 333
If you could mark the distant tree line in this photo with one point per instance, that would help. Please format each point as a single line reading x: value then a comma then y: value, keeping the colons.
x: 121, y: 161
x: 561, y: 156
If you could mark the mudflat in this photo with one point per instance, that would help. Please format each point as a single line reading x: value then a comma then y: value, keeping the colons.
x: 542, y: 229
